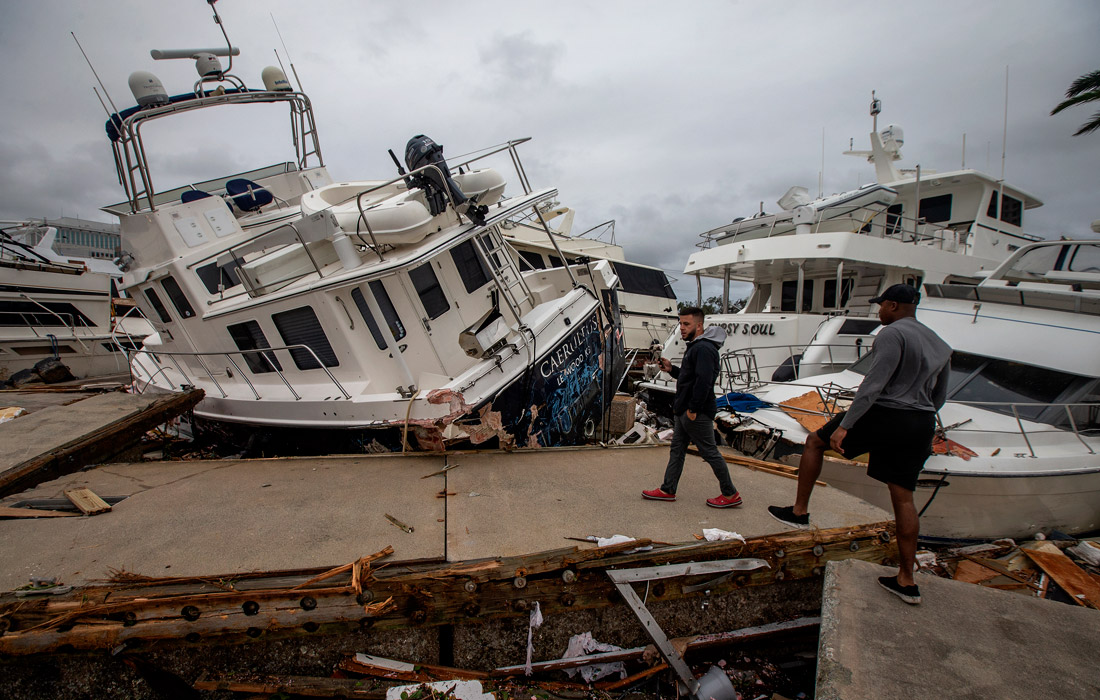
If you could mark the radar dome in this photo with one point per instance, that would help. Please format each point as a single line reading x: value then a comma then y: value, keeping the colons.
x: 147, y: 89
x: 893, y: 138
x: 275, y: 80
x: 207, y: 64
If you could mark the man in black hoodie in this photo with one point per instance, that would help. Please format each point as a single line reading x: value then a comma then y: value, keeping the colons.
x: 694, y: 408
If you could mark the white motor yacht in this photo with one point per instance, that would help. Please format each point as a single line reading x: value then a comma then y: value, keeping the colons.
x: 60, y: 307
x: 1020, y: 452
x: 295, y: 301
x: 815, y: 265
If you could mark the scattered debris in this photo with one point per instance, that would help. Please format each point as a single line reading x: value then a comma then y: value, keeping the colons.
x: 11, y: 512
x: 42, y: 586
x: 582, y: 645
x: 11, y: 413
x: 402, y: 526
x: 87, y: 501
x: 1084, y: 589
x: 713, y: 534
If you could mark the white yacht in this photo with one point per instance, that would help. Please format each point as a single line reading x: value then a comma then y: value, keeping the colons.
x: 297, y: 301
x: 815, y: 265
x: 60, y: 307
x: 1022, y: 422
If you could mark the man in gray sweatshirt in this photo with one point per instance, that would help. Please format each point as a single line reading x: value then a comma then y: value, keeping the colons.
x: 893, y: 418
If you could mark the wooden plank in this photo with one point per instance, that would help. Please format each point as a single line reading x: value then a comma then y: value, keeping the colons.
x: 96, y: 446
x: 378, y: 667
x: 1081, y: 587
x: 291, y: 685
x: 758, y: 465
x: 972, y: 572
x: 999, y: 568
x: 87, y: 501
x: 9, y: 512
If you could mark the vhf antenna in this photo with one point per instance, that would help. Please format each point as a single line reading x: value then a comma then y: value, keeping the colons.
x: 286, y: 51
x: 96, y: 76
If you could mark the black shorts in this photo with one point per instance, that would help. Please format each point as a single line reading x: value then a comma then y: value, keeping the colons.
x: 898, y: 440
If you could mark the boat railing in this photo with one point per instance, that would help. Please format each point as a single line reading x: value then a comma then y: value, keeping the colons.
x: 373, y: 244
x: 862, y: 220
x: 741, y: 370
x: 831, y: 395
x: 264, y: 356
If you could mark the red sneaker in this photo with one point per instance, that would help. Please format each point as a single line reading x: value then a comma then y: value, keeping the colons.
x: 658, y: 495
x: 725, y: 501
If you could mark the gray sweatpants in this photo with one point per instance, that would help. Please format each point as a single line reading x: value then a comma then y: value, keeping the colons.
x: 701, y: 432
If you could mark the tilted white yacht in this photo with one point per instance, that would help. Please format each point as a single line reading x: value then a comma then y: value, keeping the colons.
x: 297, y: 301
x: 1022, y: 422
x: 815, y: 265
x: 60, y: 307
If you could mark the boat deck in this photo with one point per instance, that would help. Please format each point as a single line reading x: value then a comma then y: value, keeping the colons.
x: 224, y: 516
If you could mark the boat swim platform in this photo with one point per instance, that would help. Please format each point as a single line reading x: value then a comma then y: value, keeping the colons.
x: 962, y: 641
x: 70, y: 427
x: 198, y: 518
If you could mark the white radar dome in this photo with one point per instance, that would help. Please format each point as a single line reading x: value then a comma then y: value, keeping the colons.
x: 207, y: 64
x: 147, y: 89
x: 275, y: 80
x: 893, y: 138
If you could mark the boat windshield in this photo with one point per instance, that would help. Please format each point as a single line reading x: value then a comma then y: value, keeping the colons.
x: 977, y: 379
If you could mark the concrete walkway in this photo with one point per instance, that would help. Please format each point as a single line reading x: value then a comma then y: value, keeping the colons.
x: 227, y: 516
x: 963, y: 642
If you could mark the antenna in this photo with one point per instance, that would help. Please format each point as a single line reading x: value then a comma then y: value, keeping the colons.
x: 95, y: 74
x: 287, y: 52
x: 1004, y: 138
x: 821, y: 173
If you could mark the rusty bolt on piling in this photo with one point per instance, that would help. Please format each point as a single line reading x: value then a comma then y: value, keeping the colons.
x: 470, y: 586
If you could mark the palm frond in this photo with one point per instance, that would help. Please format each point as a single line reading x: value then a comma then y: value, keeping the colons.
x: 1081, y: 98
x: 1088, y: 81
x: 1089, y: 126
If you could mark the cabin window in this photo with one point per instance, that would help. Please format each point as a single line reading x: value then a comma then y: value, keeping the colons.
x: 213, y: 275
x: 390, y: 313
x: 858, y: 326
x: 1084, y: 258
x: 532, y: 259
x: 555, y: 261
x: 301, y: 327
x: 935, y: 209
x: 431, y: 293
x: 1005, y: 381
x: 790, y: 295
x: 249, y: 336
x: 643, y: 280
x: 830, y: 300
x: 28, y: 313
x: 1012, y: 211
x: 893, y: 219
x: 179, y: 299
x: 157, y: 305
x: 470, y: 267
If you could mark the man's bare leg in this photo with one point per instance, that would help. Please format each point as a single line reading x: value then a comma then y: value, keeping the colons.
x: 905, y: 513
x: 809, y: 468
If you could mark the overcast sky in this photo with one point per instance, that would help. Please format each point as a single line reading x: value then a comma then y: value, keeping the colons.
x: 671, y: 118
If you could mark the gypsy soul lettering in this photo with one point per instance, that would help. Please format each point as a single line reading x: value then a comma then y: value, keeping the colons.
x: 748, y: 328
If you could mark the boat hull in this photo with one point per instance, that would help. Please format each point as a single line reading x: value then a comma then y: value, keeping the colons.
x: 972, y: 506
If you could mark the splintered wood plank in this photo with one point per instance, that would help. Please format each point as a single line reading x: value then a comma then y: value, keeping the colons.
x: 9, y: 512
x: 87, y: 501
x: 1076, y: 581
x: 973, y: 572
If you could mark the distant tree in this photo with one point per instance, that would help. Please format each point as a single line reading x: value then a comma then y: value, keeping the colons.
x: 1084, y: 89
x: 713, y: 305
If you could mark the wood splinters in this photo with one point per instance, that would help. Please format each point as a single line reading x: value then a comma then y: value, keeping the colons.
x: 371, y: 609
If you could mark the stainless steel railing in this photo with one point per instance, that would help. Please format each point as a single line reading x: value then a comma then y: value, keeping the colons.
x: 135, y: 356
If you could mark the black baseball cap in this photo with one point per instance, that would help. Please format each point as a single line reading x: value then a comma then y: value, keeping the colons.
x: 901, y: 293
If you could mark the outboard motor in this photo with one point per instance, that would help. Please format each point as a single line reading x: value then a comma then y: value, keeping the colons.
x: 437, y: 184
